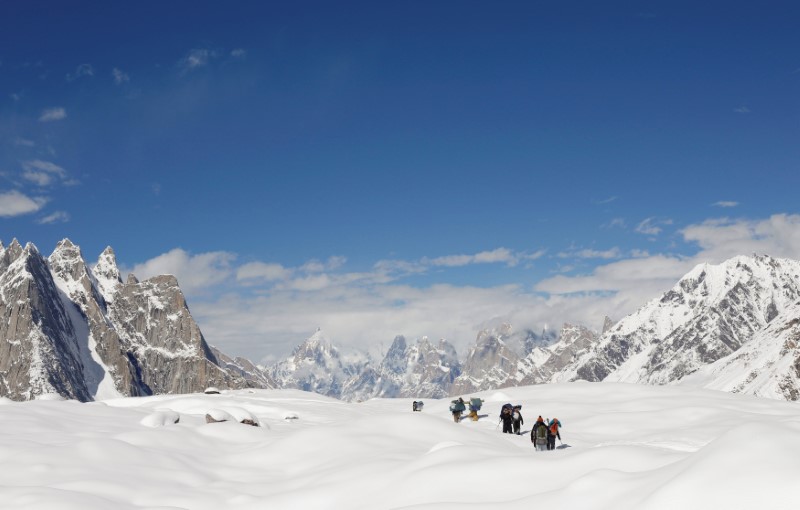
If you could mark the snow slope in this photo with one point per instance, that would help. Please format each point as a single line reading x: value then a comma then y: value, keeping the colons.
x: 624, y: 447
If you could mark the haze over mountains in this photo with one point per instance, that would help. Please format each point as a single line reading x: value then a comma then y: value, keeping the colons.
x: 80, y: 331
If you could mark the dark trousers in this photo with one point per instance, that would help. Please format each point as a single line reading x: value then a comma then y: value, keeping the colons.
x: 516, y: 427
x: 551, y: 442
x: 507, y: 426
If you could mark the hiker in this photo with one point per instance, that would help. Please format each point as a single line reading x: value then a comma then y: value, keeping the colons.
x: 517, y: 419
x: 552, y: 433
x: 474, y: 406
x: 507, y: 417
x: 539, y: 435
x: 457, y: 407
x: 417, y: 406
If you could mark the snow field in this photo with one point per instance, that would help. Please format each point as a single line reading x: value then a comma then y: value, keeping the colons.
x: 624, y: 447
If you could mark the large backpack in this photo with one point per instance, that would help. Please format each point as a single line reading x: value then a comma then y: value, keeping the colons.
x: 541, y: 432
x: 554, y: 427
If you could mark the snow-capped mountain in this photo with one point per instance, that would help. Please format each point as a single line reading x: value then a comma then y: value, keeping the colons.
x: 710, y: 314
x: 86, y: 335
x: 79, y: 331
x: 419, y: 369
x: 316, y: 365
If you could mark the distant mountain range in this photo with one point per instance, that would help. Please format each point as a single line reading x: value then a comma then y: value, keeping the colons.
x: 79, y: 331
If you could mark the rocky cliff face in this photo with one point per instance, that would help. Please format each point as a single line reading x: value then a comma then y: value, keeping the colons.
x: 85, y: 335
x: 38, y: 352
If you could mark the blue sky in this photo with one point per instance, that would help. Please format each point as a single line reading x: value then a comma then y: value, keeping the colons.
x: 413, y: 169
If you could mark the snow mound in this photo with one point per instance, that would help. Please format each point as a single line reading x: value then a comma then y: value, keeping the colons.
x: 160, y: 419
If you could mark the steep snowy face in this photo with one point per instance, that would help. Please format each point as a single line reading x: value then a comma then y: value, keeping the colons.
x: 707, y: 315
x: 106, y: 274
x: 766, y: 366
x: 38, y: 353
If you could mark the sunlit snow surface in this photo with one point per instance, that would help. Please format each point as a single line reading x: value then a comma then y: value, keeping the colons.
x: 624, y: 446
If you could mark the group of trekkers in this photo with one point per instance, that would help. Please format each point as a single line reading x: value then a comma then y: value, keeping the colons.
x: 459, y: 406
x: 543, y: 433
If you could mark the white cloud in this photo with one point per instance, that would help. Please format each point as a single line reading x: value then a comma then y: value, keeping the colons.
x: 270, y: 308
x: 725, y: 203
x: 14, y: 203
x: 119, y: 76
x: 52, y: 114
x: 56, y: 217
x: 652, y: 226
x: 195, y: 273
x: 742, y: 109
x: 42, y: 172
x: 16, y: 97
x: 80, y: 71
x: 239, y: 53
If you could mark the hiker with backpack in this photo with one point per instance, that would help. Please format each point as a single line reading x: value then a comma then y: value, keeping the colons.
x: 507, y: 417
x: 457, y: 407
x: 475, y: 406
x: 552, y: 433
x: 539, y: 435
x: 516, y: 416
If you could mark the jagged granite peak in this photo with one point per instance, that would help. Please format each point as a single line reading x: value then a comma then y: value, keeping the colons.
x: 39, y: 353
x: 709, y: 314
x: 132, y: 280
x: 489, y: 364
x: 164, y: 342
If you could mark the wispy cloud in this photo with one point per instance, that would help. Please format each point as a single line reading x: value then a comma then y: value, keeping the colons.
x: 56, y: 217
x: 652, y: 226
x: 239, y: 53
x: 53, y: 114
x: 725, y: 203
x: 81, y: 71
x: 499, y: 255
x: 615, y: 223
x: 742, y: 109
x: 23, y: 142
x: 612, y: 253
x: 16, y: 97
x: 604, y: 201
x: 14, y: 203
x: 42, y: 172
x: 196, y: 58
x: 119, y: 76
